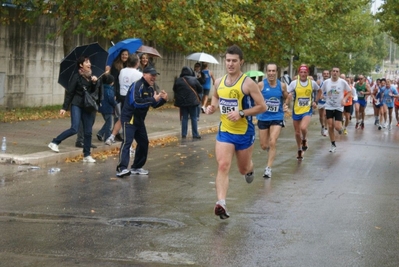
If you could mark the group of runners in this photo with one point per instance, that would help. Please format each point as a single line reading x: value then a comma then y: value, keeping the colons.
x: 240, y: 98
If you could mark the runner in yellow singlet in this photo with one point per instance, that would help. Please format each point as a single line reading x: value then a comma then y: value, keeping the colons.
x: 238, y: 98
x: 301, y: 90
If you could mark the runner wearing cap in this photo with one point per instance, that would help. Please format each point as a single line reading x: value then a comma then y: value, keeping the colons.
x: 301, y: 91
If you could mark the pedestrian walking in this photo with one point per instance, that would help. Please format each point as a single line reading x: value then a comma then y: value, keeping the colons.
x: 84, y: 80
x: 126, y: 77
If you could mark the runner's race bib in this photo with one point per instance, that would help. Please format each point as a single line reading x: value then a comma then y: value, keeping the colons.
x: 228, y: 105
x: 304, y: 102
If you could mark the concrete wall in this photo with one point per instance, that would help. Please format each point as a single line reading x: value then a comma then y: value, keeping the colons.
x: 29, y: 65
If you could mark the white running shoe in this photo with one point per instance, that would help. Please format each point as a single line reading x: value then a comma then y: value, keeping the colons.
x: 389, y: 127
x: 109, y: 141
x: 333, y: 148
x: 268, y: 172
x: 325, y: 132
x: 88, y: 159
x: 123, y: 173
x: 53, y: 147
x: 139, y: 171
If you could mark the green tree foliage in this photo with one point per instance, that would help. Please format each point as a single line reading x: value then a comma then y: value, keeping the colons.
x: 321, y: 32
x: 388, y: 15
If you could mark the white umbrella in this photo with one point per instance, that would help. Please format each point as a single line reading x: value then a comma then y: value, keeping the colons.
x: 203, y: 57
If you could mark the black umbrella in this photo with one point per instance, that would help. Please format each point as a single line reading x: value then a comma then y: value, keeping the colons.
x: 98, y: 58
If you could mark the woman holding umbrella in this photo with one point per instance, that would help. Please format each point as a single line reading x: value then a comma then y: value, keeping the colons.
x: 82, y: 80
x: 144, y: 62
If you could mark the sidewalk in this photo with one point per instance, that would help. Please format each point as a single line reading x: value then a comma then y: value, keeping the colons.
x: 27, y: 140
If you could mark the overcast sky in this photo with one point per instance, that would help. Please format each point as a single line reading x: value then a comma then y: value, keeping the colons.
x: 376, y: 4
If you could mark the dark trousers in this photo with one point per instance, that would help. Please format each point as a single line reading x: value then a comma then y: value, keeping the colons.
x: 79, y: 115
x: 81, y: 131
x: 130, y: 133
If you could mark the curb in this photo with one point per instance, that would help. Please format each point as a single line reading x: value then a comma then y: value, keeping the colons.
x: 50, y: 157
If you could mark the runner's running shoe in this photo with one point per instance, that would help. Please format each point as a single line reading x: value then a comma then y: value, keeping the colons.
x: 304, y: 145
x: 249, y: 177
x: 333, y: 148
x: 268, y: 172
x: 300, y: 155
x: 221, y: 211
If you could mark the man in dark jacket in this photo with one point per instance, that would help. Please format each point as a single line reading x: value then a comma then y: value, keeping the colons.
x: 139, y: 98
x: 187, y: 90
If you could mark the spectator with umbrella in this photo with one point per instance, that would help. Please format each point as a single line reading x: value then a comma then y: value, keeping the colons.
x: 82, y: 79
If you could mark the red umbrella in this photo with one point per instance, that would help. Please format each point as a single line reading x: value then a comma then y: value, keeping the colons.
x: 149, y: 50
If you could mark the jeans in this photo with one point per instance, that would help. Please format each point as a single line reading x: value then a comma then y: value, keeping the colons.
x: 105, y: 131
x: 193, y: 111
x: 79, y: 114
x: 79, y: 138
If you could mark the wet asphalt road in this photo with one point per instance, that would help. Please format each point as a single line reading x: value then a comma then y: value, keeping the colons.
x: 336, y: 209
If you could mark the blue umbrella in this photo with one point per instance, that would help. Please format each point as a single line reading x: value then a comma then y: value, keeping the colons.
x: 68, y: 67
x: 131, y: 44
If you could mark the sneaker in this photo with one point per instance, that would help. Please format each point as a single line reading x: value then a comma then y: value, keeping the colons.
x: 221, y: 211
x: 100, y: 137
x: 357, y: 125
x: 378, y: 121
x: 322, y: 131
x: 340, y: 132
x: 53, y: 147
x: 139, y: 171
x: 389, y: 127
x: 325, y: 132
x: 123, y: 173
x: 88, y: 159
x: 300, y: 155
x: 249, y: 177
x: 362, y: 125
x: 345, y: 132
x: 109, y: 141
x: 384, y: 125
x: 203, y: 109
x: 333, y: 148
x: 304, y: 145
x: 268, y: 172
